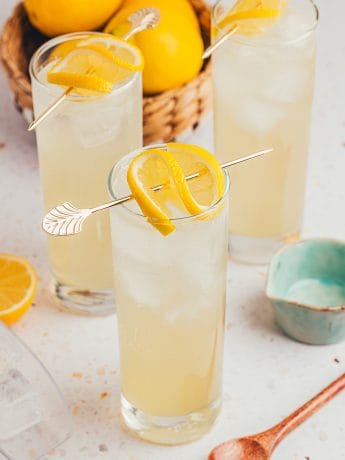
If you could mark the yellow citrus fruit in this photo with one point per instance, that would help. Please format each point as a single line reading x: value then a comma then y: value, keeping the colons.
x: 18, y: 285
x: 172, y: 50
x: 253, y: 16
x: 94, y: 64
x: 169, y: 168
x: 56, y: 17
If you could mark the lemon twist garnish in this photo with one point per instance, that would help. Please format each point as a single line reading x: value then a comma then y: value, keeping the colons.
x: 89, y: 82
x: 94, y: 64
x: 170, y: 168
x: 253, y: 16
x: 200, y: 193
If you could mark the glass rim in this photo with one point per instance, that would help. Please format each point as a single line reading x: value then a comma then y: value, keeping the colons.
x: 55, y: 90
x: 176, y: 220
x: 251, y: 42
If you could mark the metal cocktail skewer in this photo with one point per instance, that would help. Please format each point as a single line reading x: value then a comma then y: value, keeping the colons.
x: 145, y: 18
x: 65, y: 219
x: 208, y: 51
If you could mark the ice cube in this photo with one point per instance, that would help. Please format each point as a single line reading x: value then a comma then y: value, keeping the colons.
x: 99, y: 127
x: 287, y: 83
x: 292, y: 26
x: 19, y: 404
x: 258, y: 115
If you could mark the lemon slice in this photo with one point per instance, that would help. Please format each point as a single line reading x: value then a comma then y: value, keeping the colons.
x: 169, y: 169
x: 117, y: 50
x: 18, y: 284
x: 199, y: 193
x: 61, y: 50
x: 83, y: 68
x: 253, y: 16
x: 94, y: 64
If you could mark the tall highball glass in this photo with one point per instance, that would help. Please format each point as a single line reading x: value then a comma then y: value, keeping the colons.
x: 77, y: 145
x: 263, y: 90
x: 171, y: 295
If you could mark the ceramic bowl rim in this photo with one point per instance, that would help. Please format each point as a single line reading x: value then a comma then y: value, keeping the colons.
x: 277, y: 255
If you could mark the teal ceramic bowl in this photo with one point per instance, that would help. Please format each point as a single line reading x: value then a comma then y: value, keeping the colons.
x: 306, y: 286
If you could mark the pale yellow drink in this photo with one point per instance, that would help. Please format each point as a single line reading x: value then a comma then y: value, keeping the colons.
x: 77, y: 146
x: 170, y: 307
x: 263, y: 89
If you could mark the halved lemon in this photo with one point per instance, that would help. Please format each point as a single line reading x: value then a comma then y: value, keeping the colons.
x: 18, y: 285
x: 253, y: 16
x: 168, y: 168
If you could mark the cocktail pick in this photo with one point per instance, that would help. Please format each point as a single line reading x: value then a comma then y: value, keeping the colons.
x: 65, y: 219
x: 145, y: 18
x: 208, y: 51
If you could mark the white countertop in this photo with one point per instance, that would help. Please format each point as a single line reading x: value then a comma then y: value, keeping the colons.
x: 267, y: 375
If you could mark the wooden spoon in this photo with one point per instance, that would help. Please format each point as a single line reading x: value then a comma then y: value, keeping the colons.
x: 260, y: 446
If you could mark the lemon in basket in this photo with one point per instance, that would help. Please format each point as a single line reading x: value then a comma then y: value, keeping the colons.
x: 55, y: 17
x: 172, y: 51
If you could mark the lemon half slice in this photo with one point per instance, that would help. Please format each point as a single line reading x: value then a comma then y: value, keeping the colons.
x: 18, y: 284
x: 117, y: 50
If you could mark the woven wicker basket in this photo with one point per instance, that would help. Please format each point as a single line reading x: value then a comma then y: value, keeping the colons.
x: 165, y: 115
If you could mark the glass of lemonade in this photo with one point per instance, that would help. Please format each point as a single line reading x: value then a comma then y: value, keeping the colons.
x: 263, y: 89
x: 77, y: 145
x: 171, y: 296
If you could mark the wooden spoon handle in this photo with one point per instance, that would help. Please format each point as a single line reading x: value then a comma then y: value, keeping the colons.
x: 279, y: 431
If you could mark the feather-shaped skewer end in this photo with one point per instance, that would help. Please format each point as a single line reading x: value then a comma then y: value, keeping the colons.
x: 65, y: 220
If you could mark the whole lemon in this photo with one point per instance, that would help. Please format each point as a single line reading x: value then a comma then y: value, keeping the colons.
x: 172, y: 50
x: 55, y: 17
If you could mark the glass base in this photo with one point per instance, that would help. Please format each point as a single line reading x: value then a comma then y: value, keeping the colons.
x: 84, y: 301
x: 169, y: 430
x: 259, y: 250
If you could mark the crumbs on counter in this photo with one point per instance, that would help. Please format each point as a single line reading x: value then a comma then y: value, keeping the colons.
x: 77, y: 375
x: 2, y: 145
x: 32, y: 453
x: 103, y: 395
x: 336, y: 360
x: 75, y: 409
x: 101, y: 370
x: 57, y: 452
x: 103, y: 448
